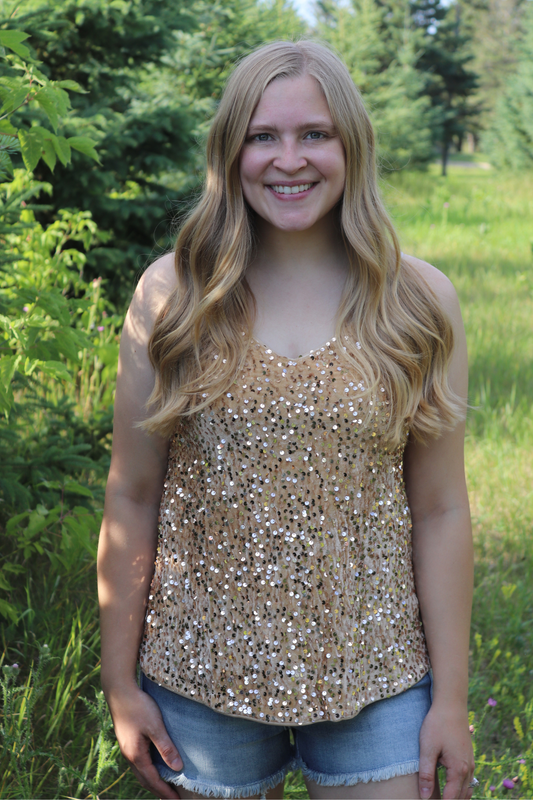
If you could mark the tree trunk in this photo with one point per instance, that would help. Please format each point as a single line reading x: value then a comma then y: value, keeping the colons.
x: 445, y: 148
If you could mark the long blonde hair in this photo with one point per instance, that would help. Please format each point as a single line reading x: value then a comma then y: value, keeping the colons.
x: 201, y: 336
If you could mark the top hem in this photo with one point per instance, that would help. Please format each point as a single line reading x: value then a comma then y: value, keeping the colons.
x: 256, y: 718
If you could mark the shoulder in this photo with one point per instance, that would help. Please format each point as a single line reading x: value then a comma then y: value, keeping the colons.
x: 441, y: 285
x: 156, y: 285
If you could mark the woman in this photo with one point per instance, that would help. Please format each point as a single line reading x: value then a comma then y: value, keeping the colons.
x: 290, y: 398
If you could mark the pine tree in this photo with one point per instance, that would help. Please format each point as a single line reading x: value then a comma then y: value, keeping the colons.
x: 380, y: 47
x: 509, y: 139
x: 450, y: 83
x: 152, y: 71
x: 496, y: 29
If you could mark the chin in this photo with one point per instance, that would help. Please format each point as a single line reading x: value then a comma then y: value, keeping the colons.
x: 293, y: 226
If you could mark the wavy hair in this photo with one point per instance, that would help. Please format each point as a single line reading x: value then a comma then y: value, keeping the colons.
x: 201, y: 336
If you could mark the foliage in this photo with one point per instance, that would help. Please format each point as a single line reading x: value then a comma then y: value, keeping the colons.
x: 22, y: 84
x: 495, y: 29
x: 107, y: 47
x: 151, y: 72
x: 384, y: 67
x: 450, y: 82
x: 509, y: 138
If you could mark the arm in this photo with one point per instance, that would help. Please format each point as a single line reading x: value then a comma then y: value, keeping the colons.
x: 128, y: 539
x: 443, y: 567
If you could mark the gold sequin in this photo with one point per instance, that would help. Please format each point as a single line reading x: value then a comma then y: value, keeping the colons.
x: 283, y: 588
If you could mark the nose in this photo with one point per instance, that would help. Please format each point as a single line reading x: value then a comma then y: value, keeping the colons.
x: 289, y: 158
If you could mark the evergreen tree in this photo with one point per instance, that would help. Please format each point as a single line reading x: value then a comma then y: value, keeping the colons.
x: 495, y: 28
x: 106, y: 47
x: 380, y: 44
x: 151, y: 71
x: 450, y: 84
x: 509, y: 138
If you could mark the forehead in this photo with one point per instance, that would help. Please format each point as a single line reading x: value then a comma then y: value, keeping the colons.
x: 292, y: 100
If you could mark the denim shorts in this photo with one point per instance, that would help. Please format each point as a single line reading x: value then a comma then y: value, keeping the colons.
x: 226, y: 756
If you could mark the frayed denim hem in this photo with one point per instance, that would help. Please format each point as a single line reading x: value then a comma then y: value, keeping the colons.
x: 210, y: 790
x: 350, y: 779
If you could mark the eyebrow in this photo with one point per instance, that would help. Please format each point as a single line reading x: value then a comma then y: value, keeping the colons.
x: 311, y: 125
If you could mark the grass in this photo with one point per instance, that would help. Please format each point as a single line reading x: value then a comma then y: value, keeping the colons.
x: 483, y: 240
x: 475, y: 226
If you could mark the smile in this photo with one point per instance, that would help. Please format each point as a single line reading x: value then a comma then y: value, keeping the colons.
x: 302, y: 187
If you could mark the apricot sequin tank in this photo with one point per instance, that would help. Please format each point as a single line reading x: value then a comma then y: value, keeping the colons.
x: 283, y: 588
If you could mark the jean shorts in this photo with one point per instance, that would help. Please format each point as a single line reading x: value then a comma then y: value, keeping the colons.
x: 226, y: 756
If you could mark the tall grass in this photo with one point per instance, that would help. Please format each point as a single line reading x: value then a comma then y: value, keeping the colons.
x: 475, y: 226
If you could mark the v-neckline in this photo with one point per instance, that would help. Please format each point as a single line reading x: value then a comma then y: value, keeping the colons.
x: 269, y: 350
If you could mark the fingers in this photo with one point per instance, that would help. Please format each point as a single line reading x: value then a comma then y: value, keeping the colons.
x: 167, y: 749
x: 147, y: 774
x: 426, y: 773
x: 457, y: 780
x: 152, y: 781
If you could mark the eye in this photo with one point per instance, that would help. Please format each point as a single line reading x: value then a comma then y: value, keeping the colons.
x: 261, y: 137
x: 315, y: 135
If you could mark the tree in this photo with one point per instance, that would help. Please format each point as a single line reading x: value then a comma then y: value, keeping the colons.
x: 106, y: 47
x: 508, y: 140
x: 450, y: 83
x: 151, y: 71
x: 495, y: 28
x: 380, y: 49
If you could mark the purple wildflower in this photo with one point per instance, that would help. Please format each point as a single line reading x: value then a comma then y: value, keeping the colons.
x: 492, y: 702
x: 100, y: 328
x: 15, y: 666
x: 508, y: 783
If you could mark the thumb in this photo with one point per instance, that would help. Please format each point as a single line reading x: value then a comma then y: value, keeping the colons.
x: 167, y: 749
x: 426, y: 774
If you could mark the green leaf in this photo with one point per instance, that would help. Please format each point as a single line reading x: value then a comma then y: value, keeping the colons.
x: 8, y: 366
x: 12, y: 40
x: 31, y: 149
x: 49, y: 154
x: 7, y: 128
x: 36, y: 524
x: 6, y: 167
x: 75, y: 488
x: 8, y: 611
x: 14, y: 99
x: 72, y: 86
x: 56, y: 369
x: 7, y: 38
x: 62, y: 149
x: 36, y: 143
x: 84, y: 145
x: 48, y: 106
x: 14, y: 521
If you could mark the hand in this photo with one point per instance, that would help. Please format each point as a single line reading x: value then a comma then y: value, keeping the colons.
x: 445, y: 737
x: 137, y: 722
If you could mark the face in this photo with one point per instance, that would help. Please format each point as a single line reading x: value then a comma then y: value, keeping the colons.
x: 292, y: 164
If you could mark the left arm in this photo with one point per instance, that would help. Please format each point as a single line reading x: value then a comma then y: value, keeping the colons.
x: 443, y: 567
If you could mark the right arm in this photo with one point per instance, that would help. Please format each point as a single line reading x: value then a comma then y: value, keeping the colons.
x: 128, y: 537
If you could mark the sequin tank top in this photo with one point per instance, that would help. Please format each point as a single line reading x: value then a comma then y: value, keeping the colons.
x: 283, y: 588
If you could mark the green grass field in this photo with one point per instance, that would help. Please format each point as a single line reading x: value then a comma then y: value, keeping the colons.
x: 477, y: 227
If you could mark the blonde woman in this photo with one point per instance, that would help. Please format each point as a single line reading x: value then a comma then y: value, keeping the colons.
x: 286, y: 545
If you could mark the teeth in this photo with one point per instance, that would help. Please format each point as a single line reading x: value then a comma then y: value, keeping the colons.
x: 292, y: 189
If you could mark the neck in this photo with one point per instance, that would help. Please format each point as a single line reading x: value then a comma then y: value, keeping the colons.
x: 295, y: 254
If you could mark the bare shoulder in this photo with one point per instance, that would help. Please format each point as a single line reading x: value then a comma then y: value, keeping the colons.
x: 155, y: 286
x: 438, y: 281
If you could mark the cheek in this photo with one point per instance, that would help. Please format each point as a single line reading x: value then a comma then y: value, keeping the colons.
x: 250, y: 167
